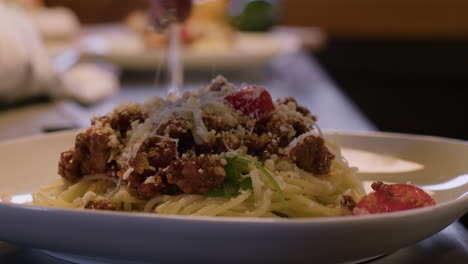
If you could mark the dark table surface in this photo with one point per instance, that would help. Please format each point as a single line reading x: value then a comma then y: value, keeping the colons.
x: 296, y: 75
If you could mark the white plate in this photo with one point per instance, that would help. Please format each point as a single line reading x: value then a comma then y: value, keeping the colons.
x: 438, y: 165
x: 125, y: 48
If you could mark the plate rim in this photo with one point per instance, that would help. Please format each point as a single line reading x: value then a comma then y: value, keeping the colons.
x: 251, y: 220
x: 225, y: 219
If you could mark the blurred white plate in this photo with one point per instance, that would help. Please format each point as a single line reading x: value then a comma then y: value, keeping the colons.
x: 119, y: 45
x: 436, y: 164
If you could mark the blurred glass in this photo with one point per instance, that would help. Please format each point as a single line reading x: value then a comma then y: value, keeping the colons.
x: 163, y: 13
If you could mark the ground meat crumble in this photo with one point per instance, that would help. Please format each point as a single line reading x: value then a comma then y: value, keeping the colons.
x: 100, y: 205
x: 348, y: 202
x: 312, y: 155
x: 167, y: 160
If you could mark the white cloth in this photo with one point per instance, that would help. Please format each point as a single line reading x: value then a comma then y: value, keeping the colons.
x: 27, y: 70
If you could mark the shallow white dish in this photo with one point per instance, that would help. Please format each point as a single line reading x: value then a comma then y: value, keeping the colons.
x: 125, y: 48
x: 438, y: 165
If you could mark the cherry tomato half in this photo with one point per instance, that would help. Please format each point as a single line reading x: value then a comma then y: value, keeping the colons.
x: 391, y: 198
x: 251, y: 100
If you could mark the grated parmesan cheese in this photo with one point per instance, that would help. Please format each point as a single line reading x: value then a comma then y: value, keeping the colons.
x: 127, y: 173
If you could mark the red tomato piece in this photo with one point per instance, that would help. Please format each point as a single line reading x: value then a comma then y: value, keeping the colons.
x: 391, y: 198
x: 251, y: 100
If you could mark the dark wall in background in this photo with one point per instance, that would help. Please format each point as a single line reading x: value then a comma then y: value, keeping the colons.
x: 404, y: 86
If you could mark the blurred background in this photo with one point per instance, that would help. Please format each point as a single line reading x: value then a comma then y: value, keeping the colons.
x: 403, y: 63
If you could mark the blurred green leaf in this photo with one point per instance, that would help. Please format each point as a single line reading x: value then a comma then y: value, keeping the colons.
x: 257, y: 16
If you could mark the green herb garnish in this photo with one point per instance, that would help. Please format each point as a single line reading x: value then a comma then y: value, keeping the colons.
x: 233, y: 182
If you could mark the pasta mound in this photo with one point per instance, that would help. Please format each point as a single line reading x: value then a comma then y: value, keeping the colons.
x: 218, y: 151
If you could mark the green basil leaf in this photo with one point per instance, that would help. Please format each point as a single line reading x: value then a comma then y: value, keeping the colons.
x: 232, y: 171
x: 231, y: 188
x: 246, y: 184
x: 215, y: 192
x: 233, y: 181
